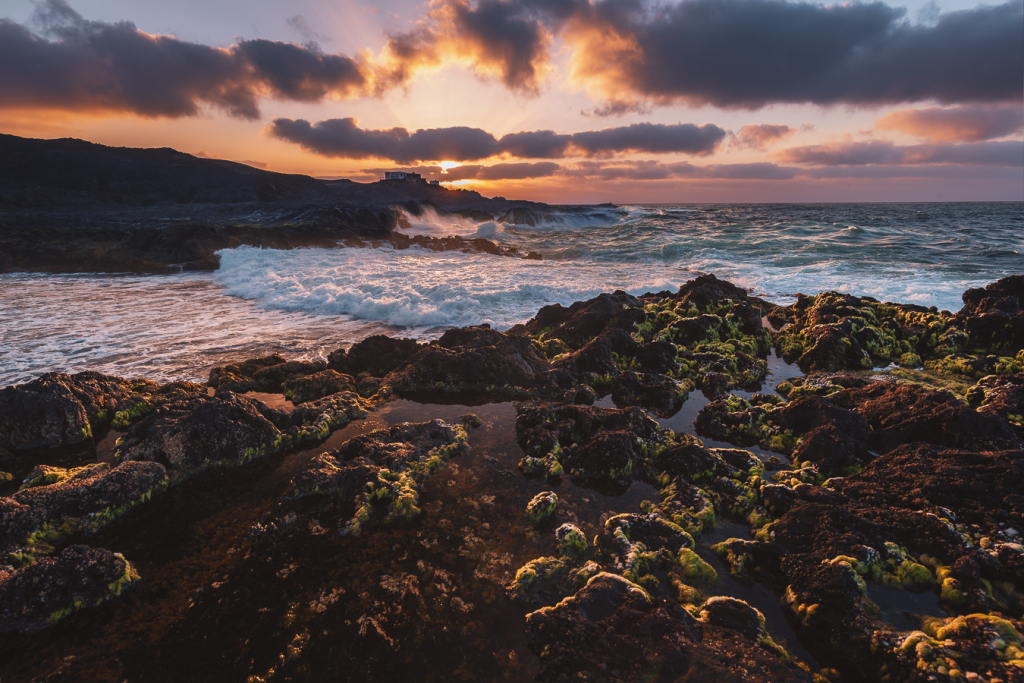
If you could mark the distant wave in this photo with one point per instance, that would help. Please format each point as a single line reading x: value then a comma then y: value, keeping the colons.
x: 423, y: 289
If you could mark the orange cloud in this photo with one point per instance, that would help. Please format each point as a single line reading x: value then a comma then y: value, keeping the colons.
x: 955, y: 124
x: 762, y: 136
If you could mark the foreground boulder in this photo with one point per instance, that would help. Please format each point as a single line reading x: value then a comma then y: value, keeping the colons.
x: 376, y: 355
x: 190, y: 436
x: 60, y: 409
x: 53, y: 588
x: 56, y: 504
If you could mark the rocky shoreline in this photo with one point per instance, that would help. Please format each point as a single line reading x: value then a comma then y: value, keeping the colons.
x: 529, y: 505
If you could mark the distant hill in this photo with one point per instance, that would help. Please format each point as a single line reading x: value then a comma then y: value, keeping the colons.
x: 71, y: 205
x: 70, y: 173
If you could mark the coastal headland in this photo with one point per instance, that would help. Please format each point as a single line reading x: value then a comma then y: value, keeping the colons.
x: 693, y: 485
x: 74, y: 206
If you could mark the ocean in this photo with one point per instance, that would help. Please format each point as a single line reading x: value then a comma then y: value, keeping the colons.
x: 304, y: 303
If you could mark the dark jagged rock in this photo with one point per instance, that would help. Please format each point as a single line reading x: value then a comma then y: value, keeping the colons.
x: 1002, y: 396
x: 377, y: 355
x: 598, y: 356
x: 994, y: 316
x: 978, y: 488
x: 904, y: 413
x: 659, y: 392
x: 59, y: 409
x: 241, y: 373
x: 262, y: 374
x: 584, y: 320
x: 842, y: 430
x: 192, y: 435
x: 612, y: 628
x: 56, y: 504
x: 475, y: 360
x: 319, y: 384
x: 53, y: 588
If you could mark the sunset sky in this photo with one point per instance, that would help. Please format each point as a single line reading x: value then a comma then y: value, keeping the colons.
x: 554, y: 100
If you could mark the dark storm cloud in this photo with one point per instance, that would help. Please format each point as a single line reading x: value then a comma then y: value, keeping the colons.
x: 80, y: 65
x: 344, y: 138
x: 538, y: 144
x: 730, y: 53
x: 883, y: 152
x: 749, y: 53
x: 301, y: 73
x: 652, y: 138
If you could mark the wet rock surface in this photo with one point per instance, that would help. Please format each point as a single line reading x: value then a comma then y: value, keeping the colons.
x: 379, y: 527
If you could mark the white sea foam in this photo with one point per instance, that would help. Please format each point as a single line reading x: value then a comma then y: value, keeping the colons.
x: 424, y: 289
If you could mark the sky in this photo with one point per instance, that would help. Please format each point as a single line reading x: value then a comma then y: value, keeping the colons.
x: 563, y: 101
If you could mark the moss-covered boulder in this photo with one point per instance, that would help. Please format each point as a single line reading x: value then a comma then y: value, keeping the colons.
x: 57, y: 504
x: 54, y: 588
x: 58, y: 409
x: 373, y: 477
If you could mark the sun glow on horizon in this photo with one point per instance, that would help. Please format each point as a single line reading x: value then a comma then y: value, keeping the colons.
x: 446, y: 165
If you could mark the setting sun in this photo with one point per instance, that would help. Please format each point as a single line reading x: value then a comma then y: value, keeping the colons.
x: 446, y: 165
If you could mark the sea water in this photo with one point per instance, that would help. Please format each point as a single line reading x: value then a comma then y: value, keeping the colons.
x: 305, y: 303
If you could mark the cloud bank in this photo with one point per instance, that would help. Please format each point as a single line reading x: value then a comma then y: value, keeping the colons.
x: 343, y: 138
x: 627, y: 53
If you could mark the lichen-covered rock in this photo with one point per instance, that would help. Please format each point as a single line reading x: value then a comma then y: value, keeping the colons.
x: 571, y: 541
x: 53, y: 588
x: 612, y: 627
x: 475, y: 360
x: 589, y: 442
x: 840, y: 432
x: 381, y: 472
x: 191, y: 435
x: 541, y: 509
x: 319, y: 384
x: 376, y: 355
x: 58, y: 504
x: 313, y: 421
x: 640, y: 544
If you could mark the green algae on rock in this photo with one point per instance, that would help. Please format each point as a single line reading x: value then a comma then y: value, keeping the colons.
x: 541, y: 510
x: 53, y: 588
